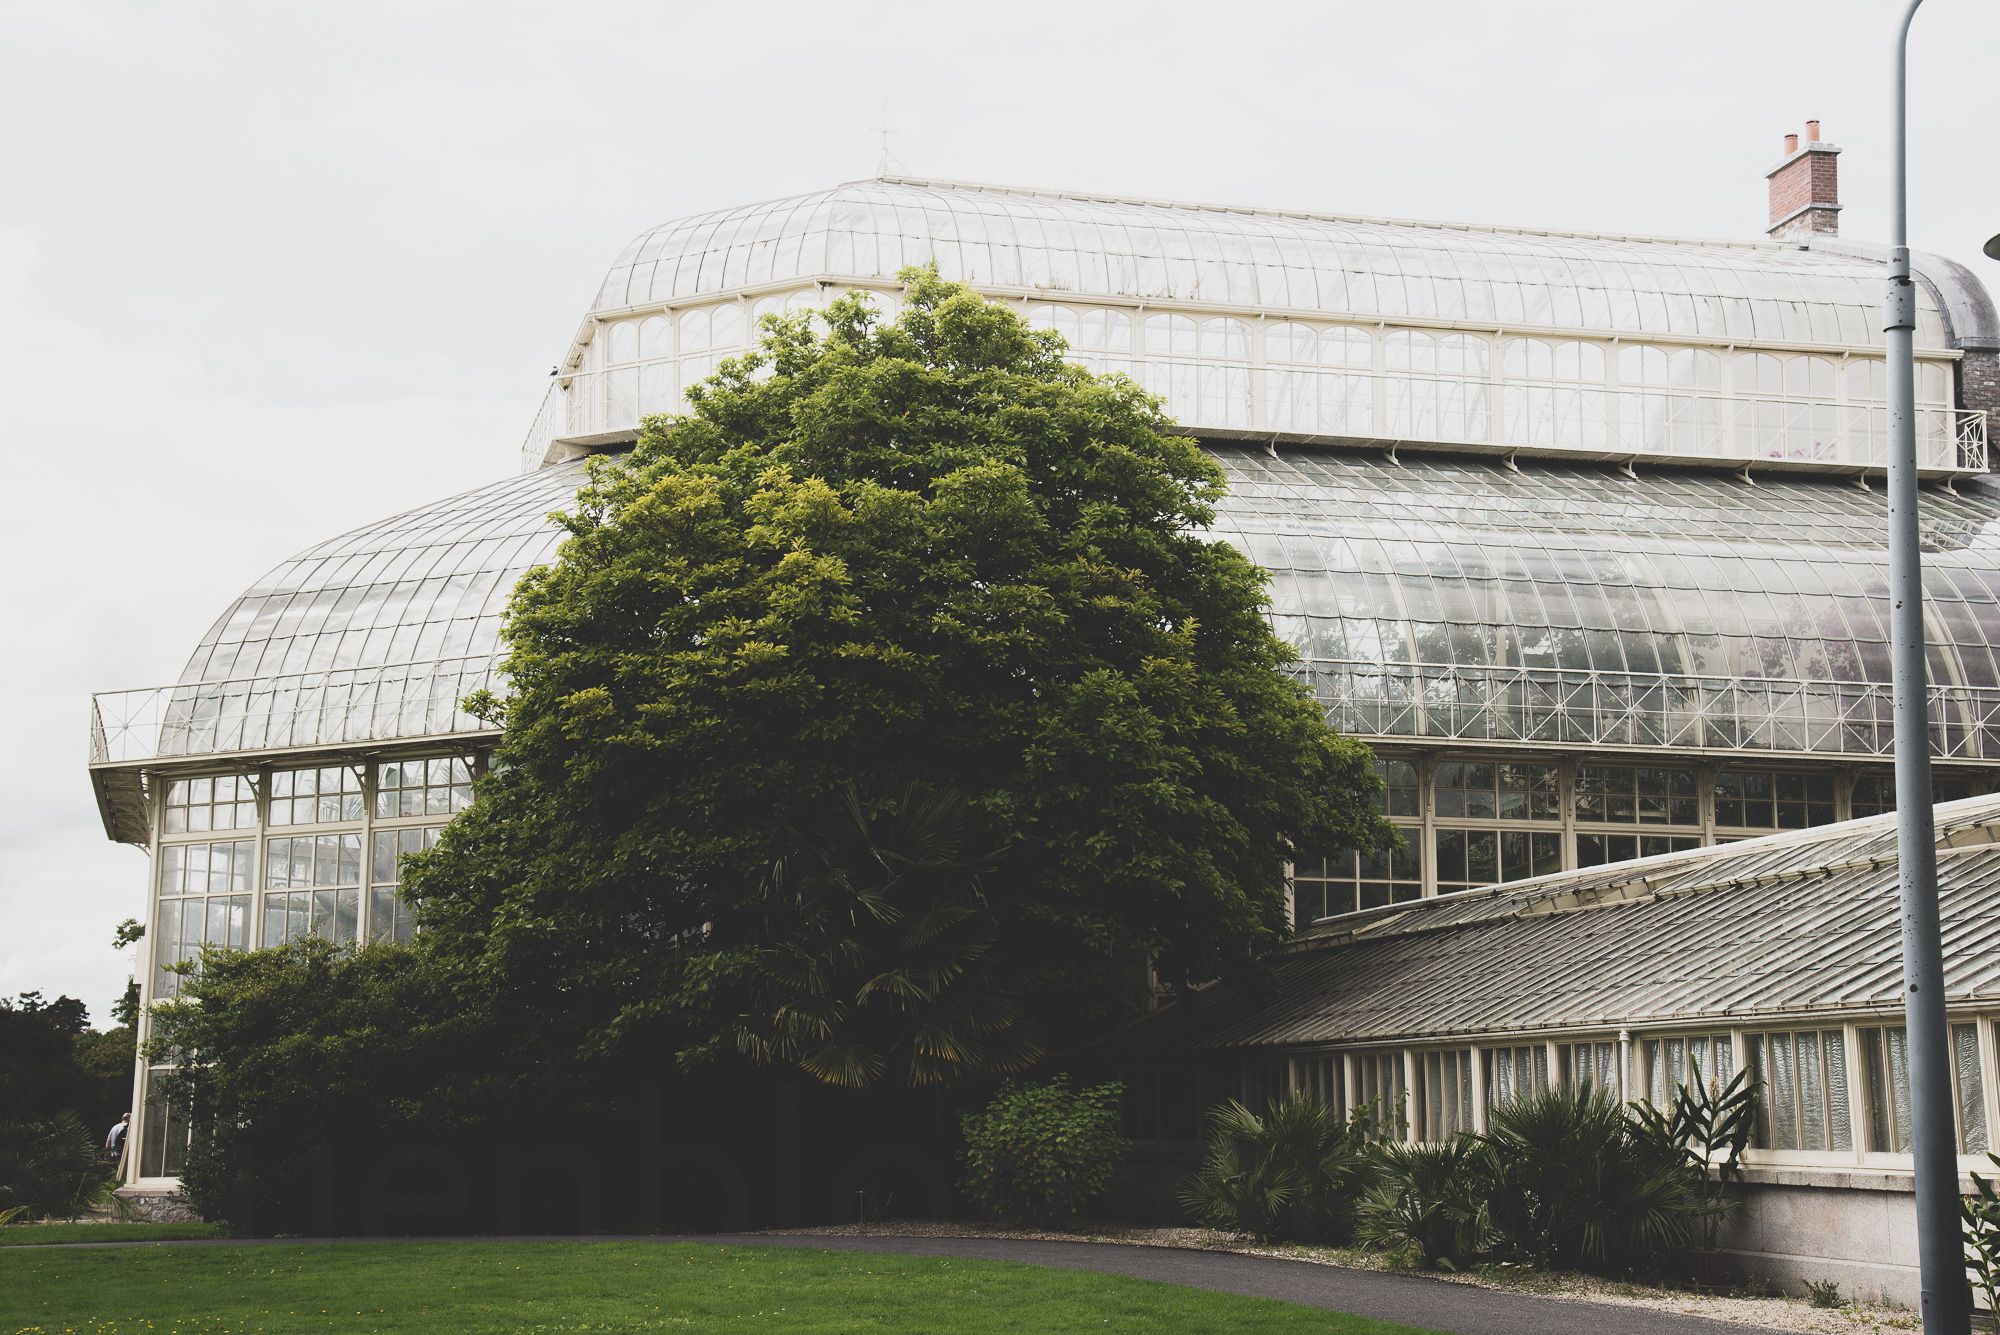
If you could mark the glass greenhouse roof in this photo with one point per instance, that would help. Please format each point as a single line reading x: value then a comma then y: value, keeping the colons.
x: 1261, y: 325
x: 1054, y: 244
x: 1438, y: 598
x: 1470, y: 601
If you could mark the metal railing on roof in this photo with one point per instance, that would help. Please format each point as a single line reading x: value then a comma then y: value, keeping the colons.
x: 1579, y: 707
x: 286, y: 711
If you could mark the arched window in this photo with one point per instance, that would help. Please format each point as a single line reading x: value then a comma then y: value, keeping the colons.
x: 655, y: 338
x: 624, y: 343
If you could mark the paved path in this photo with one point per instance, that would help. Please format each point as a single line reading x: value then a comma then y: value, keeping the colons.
x: 1412, y: 1299
x: 1434, y: 1304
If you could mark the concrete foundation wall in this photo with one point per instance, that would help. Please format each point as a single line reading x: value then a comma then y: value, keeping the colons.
x: 1857, y: 1229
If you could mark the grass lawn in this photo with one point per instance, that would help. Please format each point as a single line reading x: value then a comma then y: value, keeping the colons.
x: 601, y: 1287
x: 22, y: 1235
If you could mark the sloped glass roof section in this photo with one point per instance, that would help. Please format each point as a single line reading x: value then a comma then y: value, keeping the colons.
x: 373, y: 636
x: 1272, y: 325
x: 1802, y: 923
x: 1458, y: 600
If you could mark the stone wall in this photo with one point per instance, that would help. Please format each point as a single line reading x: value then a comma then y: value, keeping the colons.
x: 146, y: 1205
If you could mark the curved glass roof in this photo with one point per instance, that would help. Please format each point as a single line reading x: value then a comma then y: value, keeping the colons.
x: 1438, y: 598
x: 1044, y: 242
x: 375, y: 635
x: 1466, y: 600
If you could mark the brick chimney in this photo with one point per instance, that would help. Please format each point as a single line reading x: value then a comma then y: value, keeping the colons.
x: 1805, y: 189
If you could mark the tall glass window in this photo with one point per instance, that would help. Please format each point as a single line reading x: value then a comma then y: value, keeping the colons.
x: 1772, y: 800
x: 1683, y: 1059
x: 1379, y: 1086
x: 195, y: 806
x: 1325, y: 885
x: 204, y: 899
x: 312, y: 887
x: 323, y: 796
x: 1591, y: 1063
x: 436, y: 787
x: 1446, y: 1101
x: 389, y: 918
x: 1805, y: 1090
x: 1888, y: 1070
x: 1634, y: 811
x: 1515, y: 1072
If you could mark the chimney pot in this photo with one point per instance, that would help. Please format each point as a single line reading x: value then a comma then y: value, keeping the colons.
x: 1805, y: 190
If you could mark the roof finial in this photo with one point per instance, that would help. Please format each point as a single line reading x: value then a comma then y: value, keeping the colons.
x: 882, y: 163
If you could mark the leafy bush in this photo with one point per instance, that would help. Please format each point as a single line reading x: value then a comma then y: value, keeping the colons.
x: 300, y: 1066
x: 1824, y: 1293
x: 1042, y: 1154
x: 1573, y: 1183
x: 1294, y: 1174
x: 1427, y: 1207
x: 1980, y: 1212
x: 50, y: 1168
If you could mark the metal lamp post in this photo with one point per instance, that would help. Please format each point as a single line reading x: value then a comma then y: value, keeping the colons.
x: 1941, y: 1252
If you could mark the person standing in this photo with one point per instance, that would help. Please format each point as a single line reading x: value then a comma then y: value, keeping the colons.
x: 114, y: 1142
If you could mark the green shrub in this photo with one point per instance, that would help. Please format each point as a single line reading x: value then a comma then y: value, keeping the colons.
x: 1294, y: 1174
x: 1428, y: 1207
x: 1572, y: 1183
x: 1042, y: 1154
x: 50, y: 1168
x: 1824, y: 1293
x: 301, y: 1066
x: 1980, y: 1212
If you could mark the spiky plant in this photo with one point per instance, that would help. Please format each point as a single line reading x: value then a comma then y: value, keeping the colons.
x: 1573, y: 1183
x: 1428, y: 1206
x: 1294, y: 1173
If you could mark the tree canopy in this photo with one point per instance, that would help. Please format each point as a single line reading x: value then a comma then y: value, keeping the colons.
x: 885, y: 714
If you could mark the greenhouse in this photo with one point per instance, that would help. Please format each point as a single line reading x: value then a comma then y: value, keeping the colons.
x: 1582, y: 533
x: 1777, y: 955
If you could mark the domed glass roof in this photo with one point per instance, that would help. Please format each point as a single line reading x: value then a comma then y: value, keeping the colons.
x: 1039, y: 242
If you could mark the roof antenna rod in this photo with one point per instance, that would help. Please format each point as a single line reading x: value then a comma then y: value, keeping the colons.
x: 883, y: 162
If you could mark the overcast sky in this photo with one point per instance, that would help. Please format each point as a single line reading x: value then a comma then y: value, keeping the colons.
x: 268, y: 272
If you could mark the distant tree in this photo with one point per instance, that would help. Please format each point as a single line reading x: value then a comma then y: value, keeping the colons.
x: 884, y: 577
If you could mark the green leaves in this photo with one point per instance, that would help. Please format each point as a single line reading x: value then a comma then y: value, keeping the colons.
x: 1295, y: 1173
x: 885, y: 564
x: 1042, y: 1154
x: 1980, y: 1214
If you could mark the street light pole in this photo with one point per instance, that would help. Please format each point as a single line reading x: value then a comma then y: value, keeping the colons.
x: 1947, y: 1307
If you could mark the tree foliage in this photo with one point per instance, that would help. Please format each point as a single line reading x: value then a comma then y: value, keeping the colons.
x: 305, y: 1064
x: 882, y: 570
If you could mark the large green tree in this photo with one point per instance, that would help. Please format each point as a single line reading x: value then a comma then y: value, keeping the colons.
x: 885, y: 714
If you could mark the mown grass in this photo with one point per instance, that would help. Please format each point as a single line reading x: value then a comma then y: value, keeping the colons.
x: 605, y: 1288
x: 24, y: 1235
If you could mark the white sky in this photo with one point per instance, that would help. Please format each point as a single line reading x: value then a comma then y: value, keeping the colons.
x: 268, y: 272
